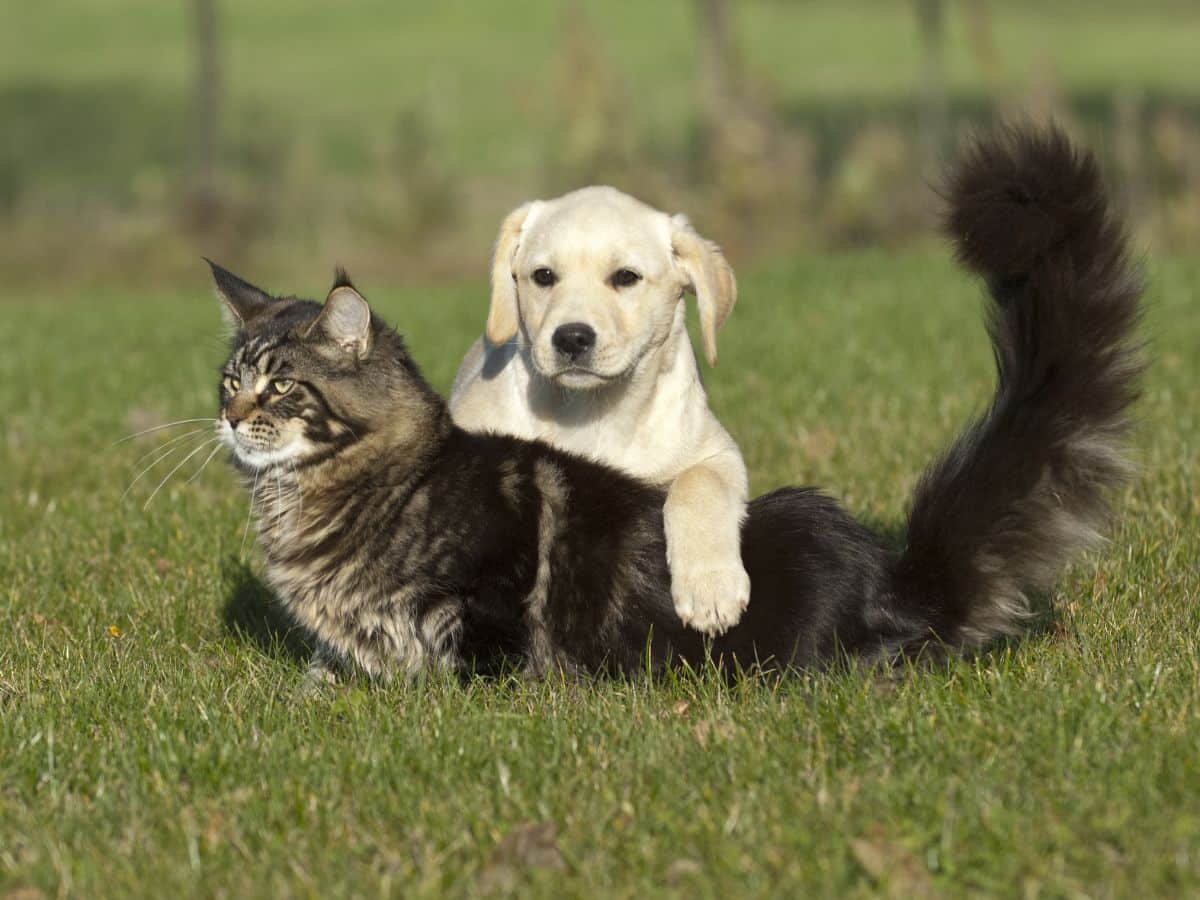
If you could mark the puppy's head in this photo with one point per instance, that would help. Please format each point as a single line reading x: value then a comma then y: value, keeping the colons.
x: 592, y: 281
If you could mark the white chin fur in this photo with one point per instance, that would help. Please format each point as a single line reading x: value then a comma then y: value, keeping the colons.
x: 264, y: 459
x: 604, y: 368
x: 577, y: 380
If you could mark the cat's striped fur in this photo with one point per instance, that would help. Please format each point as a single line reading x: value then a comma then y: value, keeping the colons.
x: 401, y: 542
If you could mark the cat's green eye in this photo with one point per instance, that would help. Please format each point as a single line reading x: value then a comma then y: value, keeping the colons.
x: 282, y: 385
x: 234, y: 384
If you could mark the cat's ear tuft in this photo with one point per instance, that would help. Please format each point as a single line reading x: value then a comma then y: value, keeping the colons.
x: 340, y: 279
x: 241, y: 302
x: 345, y: 319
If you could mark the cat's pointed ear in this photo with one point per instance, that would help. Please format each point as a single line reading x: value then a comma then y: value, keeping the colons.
x: 241, y: 302
x: 345, y: 319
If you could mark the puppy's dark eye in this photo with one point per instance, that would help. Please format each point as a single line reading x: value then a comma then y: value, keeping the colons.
x: 282, y: 385
x: 624, y: 278
x: 544, y: 277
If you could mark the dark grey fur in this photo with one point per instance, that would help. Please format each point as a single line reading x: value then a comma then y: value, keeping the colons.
x: 401, y: 541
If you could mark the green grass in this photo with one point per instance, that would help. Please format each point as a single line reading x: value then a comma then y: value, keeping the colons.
x: 173, y: 755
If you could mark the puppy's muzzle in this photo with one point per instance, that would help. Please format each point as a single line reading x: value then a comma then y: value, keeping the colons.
x: 574, y: 340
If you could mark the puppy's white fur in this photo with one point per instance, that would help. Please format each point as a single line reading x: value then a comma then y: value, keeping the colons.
x: 635, y: 401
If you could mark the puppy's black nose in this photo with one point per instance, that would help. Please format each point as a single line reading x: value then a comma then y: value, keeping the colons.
x: 573, y: 339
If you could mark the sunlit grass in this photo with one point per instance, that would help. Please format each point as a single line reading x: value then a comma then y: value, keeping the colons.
x: 153, y: 740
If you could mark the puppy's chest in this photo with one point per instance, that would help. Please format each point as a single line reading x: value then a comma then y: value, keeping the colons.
x: 655, y: 458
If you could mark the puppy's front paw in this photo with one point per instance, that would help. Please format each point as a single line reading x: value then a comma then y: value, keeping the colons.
x: 710, y: 599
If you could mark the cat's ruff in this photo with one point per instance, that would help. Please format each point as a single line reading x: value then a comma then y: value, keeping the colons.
x: 401, y: 541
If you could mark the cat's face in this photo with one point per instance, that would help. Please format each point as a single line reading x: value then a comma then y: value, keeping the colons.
x: 304, y: 381
x: 272, y: 409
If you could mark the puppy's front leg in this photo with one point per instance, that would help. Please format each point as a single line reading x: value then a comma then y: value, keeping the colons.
x: 702, y: 519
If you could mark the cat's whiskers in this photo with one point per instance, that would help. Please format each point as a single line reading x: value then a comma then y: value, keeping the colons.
x: 130, y: 437
x: 179, y: 466
x: 250, y: 511
x: 161, y: 454
x: 207, y: 460
x: 299, y: 516
x: 272, y: 496
x: 289, y: 501
x: 278, y: 498
x: 174, y: 440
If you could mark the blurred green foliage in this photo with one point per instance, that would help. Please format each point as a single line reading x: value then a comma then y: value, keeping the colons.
x: 396, y: 134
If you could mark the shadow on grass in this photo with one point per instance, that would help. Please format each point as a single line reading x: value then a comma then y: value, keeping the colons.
x: 252, y: 614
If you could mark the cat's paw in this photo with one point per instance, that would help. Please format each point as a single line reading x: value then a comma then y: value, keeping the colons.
x: 319, y: 678
x: 710, y: 598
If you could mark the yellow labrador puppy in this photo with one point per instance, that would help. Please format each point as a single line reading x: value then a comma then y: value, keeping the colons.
x: 586, y: 348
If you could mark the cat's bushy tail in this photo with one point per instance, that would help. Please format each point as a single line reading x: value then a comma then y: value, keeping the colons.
x: 1024, y: 489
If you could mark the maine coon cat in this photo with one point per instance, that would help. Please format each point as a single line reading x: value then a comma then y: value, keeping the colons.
x: 400, y: 542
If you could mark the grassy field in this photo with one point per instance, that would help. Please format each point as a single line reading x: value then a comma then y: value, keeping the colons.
x: 153, y: 740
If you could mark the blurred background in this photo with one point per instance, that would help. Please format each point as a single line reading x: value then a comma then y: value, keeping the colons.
x: 284, y: 135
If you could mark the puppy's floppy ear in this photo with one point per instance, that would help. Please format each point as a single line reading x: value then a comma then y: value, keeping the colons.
x: 708, y: 276
x: 240, y: 301
x: 503, y: 316
x: 345, y: 319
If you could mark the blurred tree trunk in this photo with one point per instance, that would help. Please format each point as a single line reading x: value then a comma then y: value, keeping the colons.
x: 934, y: 120
x: 716, y: 50
x: 1128, y: 104
x: 982, y: 38
x: 206, y: 124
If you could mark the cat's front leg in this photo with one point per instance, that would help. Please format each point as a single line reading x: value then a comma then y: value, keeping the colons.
x: 416, y: 631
